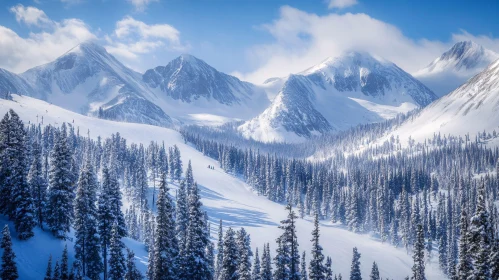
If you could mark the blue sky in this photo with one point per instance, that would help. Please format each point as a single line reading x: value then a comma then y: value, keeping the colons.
x: 251, y: 39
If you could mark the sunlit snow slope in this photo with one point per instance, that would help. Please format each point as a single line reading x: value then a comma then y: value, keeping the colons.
x: 224, y: 197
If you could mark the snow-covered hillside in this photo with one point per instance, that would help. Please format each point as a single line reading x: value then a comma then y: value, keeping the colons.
x: 455, y: 66
x: 224, y: 197
x: 339, y: 93
x: 471, y: 108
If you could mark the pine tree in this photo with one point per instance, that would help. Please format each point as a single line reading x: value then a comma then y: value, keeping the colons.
x: 182, y: 217
x: 256, y: 271
x: 9, y: 266
x: 132, y: 273
x: 266, y: 270
x: 85, y: 223
x: 230, y: 258
x: 464, y: 267
x: 329, y: 270
x: 48, y: 272
x: 38, y: 184
x: 244, y: 252
x: 57, y: 271
x: 64, y: 264
x: 196, y: 264
x: 374, y: 272
x: 117, y: 263
x: 303, y: 271
x: 355, y: 268
x: 165, y: 244
x: 418, y: 269
x: 60, y: 195
x: 479, y: 238
x: 220, y: 251
x: 316, y: 269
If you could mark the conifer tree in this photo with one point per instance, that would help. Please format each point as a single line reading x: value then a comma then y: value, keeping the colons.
x: 60, y: 195
x: 182, y: 217
x: 132, y: 273
x: 8, y: 270
x: 329, y: 270
x: 57, y: 271
x: 303, y: 271
x: 165, y: 244
x: 256, y: 271
x: 244, y: 252
x: 117, y: 264
x: 37, y: 183
x: 266, y: 270
x: 355, y: 268
x: 65, y: 264
x: 85, y: 223
x: 48, y: 272
x: 220, y: 251
x: 316, y: 270
x: 464, y: 267
x: 374, y: 272
x: 230, y: 258
x: 418, y: 269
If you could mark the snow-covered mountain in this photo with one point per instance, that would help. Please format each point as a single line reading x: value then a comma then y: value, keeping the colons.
x: 455, y: 66
x: 336, y: 94
x: 88, y: 80
x: 193, y: 91
x: 471, y: 108
x: 13, y: 83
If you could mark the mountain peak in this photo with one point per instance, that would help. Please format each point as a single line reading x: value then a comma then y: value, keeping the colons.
x: 463, y: 50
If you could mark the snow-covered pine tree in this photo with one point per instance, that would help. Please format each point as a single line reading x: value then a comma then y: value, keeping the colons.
x: 8, y: 270
x: 464, y: 267
x: 48, y: 272
x: 316, y: 269
x: 355, y: 268
x: 329, y: 269
x: 85, y: 223
x: 57, y: 271
x: 256, y: 271
x: 196, y: 264
x: 37, y: 183
x: 65, y: 264
x: 60, y: 195
x: 165, y: 243
x: 220, y: 252
x: 106, y: 217
x: 303, y: 270
x: 479, y: 239
x: 132, y: 273
x: 282, y: 260
x: 418, y: 269
x: 374, y: 272
x: 244, y: 252
x: 117, y: 264
x: 230, y: 258
x: 182, y: 217
x: 266, y: 270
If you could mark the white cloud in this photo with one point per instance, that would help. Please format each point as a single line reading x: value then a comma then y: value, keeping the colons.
x: 21, y: 53
x: 340, y: 4
x: 303, y: 39
x: 141, y: 5
x: 133, y: 38
x: 31, y: 16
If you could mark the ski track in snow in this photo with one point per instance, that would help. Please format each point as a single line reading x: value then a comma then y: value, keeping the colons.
x: 224, y: 197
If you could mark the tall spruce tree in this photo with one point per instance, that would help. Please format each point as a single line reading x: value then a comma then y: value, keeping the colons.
x: 230, y: 259
x: 8, y: 270
x: 85, y: 223
x: 316, y: 270
x: 374, y: 272
x: 220, y: 251
x: 256, y: 271
x: 244, y: 252
x: 117, y: 264
x: 165, y: 244
x: 464, y: 267
x: 132, y: 273
x: 266, y: 270
x: 37, y: 183
x: 355, y: 268
x: 61, y: 193
x: 65, y: 264
x: 418, y: 269
x: 48, y: 272
x: 303, y: 271
x: 329, y: 269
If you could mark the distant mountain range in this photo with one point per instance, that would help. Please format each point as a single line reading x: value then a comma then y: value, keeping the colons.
x: 354, y: 88
x: 455, y: 66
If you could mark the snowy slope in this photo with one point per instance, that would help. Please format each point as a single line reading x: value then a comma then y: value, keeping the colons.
x: 223, y: 196
x: 454, y: 67
x: 471, y: 108
x: 339, y: 93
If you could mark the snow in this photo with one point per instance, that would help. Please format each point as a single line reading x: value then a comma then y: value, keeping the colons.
x: 224, y: 197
